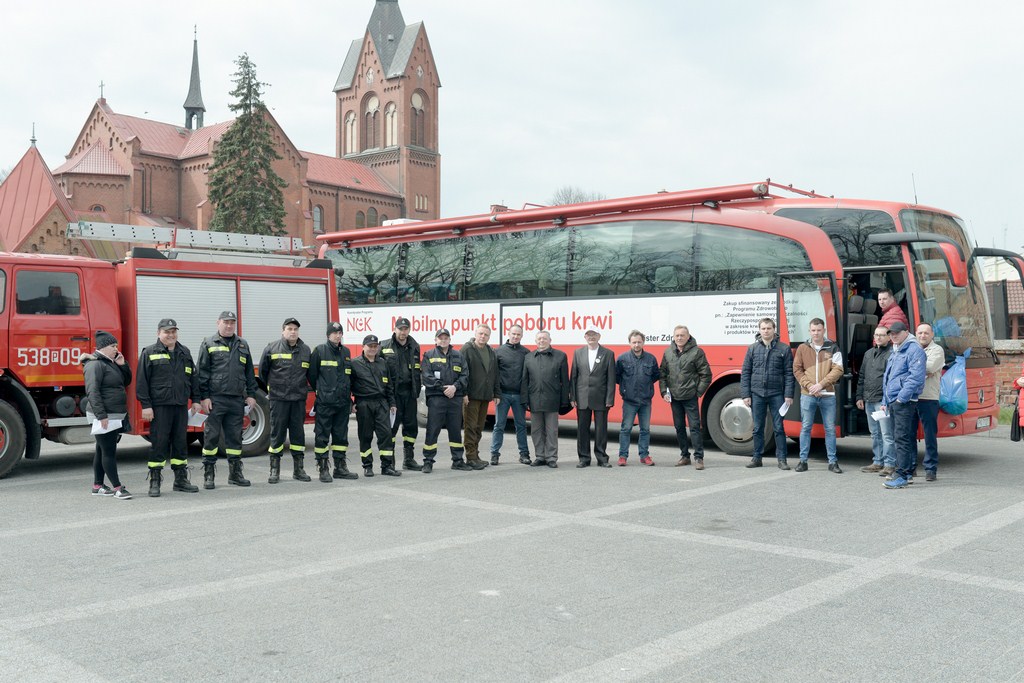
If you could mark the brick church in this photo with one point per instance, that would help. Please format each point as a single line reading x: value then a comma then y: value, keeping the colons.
x: 126, y: 169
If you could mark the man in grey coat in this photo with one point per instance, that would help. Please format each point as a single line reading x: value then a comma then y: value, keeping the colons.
x: 545, y: 391
x: 592, y: 393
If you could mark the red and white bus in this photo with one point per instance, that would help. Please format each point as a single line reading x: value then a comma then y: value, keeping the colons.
x: 716, y: 260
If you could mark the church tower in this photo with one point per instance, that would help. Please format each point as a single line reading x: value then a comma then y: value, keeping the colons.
x: 387, y: 108
x: 194, y: 108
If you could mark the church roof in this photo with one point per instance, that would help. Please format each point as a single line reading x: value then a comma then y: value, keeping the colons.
x: 26, y: 196
x: 194, y: 100
x: 160, y: 139
x: 393, y: 40
x: 344, y: 173
x: 95, y: 160
x: 348, y: 69
x: 201, y: 141
x: 403, y: 51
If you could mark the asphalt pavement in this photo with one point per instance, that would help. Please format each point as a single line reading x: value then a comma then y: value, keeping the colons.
x: 520, y: 574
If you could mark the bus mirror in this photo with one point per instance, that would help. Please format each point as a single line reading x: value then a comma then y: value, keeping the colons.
x: 1013, y: 258
x: 954, y: 264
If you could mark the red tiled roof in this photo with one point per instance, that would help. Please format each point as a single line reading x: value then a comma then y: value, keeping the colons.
x: 343, y: 173
x: 201, y: 141
x: 1015, y: 297
x: 161, y: 139
x: 26, y: 196
x: 95, y: 160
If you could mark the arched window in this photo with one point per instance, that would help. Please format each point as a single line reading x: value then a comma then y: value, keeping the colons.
x: 97, y: 208
x: 418, y: 125
x: 371, y: 132
x: 318, y: 219
x: 391, y: 125
x: 371, y: 218
x: 350, y: 133
x: 360, y: 219
x: 383, y: 218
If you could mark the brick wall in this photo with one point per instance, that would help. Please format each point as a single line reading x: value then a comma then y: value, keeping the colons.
x: 1011, y: 357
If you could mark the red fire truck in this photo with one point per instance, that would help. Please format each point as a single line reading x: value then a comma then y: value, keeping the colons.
x: 52, y: 306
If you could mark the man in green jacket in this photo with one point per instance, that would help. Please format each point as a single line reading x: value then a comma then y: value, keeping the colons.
x: 685, y: 376
x: 482, y: 365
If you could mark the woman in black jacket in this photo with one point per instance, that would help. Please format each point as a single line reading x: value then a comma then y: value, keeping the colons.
x: 106, y: 376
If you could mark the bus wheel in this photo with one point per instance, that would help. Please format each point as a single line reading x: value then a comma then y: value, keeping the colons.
x: 256, y: 427
x: 731, y: 425
x: 12, y: 438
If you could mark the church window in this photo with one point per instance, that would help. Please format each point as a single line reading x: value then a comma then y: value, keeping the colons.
x: 318, y: 219
x: 97, y: 208
x: 371, y: 131
x: 383, y: 218
x: 418, y: 133
x: 350, y: 133
x: 371, y: 218
x: 360, y: 219
x: 391, y: 125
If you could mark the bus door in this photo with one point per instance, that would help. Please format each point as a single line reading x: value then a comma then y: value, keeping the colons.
x: 861, y: 315
x: 803, y: 297
x: 528, y: 314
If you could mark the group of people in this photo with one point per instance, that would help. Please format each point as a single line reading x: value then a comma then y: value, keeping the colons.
x: 897, y: 389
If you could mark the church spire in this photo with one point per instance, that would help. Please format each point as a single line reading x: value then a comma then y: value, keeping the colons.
x: 194, y: 107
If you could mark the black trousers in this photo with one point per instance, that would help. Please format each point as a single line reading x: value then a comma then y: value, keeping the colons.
x: 224, y: 424
x: 600, y: 419
x: 405, y: 418
x: 167, y: 434
x: 443, y: 413
x: 104, y: 462
x: 373, y: 417
x: 287, y: 422
x: 687, y: 411
x: 330, y: 430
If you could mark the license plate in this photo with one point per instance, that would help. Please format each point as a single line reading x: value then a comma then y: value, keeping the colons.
x: 983, y: 422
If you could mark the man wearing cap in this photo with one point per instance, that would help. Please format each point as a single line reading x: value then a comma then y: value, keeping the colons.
x: 227, y: 384
x: 402, y: 354
x: 445, y: 377
x: 375, y: 407
x: 330, y: 375
x: 592, y: 393
x: 481, y: 389
x: 166, y: 381
x: 284, y: 369
x: 901, y: 386
x: 545, y: 392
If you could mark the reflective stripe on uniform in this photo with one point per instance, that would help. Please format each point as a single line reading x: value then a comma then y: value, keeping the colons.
x: 155, y: 465
x: 348, y: 371
x: 388, y: 350
x: 384, y: 379
x: 340, y: 449
x: 214, y: 349
x: 159, y: 356
x: 430, y: 447
x: 331, y: 363
x: 305, y: 365
x: 188, y: 370
x: 455, y: 444
x: 209, y: 451
x: 274, y: 450
x: 367, y: 452
x: 242, y: 358
x: 438, y: 360
x: 175, y: 461
x: 280, y: 356
x: 320, y: 449
x: 386, y: 454
x: 233, y: 451
x: 456, y: 368
x: 299, y: 449
x: 408, y: 439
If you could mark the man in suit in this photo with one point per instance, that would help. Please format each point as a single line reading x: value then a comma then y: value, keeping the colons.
x: 592, y: 393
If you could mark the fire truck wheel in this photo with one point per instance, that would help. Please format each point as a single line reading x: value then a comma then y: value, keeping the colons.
x: 12, y: 438
x: 731, y: 425
x: 256, y: 428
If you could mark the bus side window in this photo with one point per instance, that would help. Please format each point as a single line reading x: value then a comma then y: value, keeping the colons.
x: 42, y: 292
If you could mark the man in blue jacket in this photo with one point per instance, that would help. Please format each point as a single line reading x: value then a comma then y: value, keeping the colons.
x: 766, y: 384
x: 636, y: 373
x: 902, y: 384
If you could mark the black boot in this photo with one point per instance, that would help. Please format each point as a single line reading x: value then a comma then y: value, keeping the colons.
x: 324, y: 465
x: 428, y: 466
x: 298, y: 473
x: 275, y: 469
x: 341, y: 469
x: 235, y: 474
x: 387, y: 467
x: 410, y: 459
x: 155, y: 475
x: 209, y: 470
x: 368, y: 467
x: 181, y: 482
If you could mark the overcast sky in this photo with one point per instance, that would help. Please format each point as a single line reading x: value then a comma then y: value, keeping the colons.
x: 619, y: 98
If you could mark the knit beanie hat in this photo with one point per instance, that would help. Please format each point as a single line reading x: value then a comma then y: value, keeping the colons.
x: 104, y: 339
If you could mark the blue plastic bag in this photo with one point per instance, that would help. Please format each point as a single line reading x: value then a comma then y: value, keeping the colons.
x: 953, y: 387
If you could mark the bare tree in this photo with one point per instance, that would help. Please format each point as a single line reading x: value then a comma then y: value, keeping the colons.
x: 570, y: 194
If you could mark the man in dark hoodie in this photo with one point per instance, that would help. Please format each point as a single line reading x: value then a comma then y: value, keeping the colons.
x: 482, y: 366
x: 685, y: 376
x: 766, y: 384
x: 510, y: 357
x: 284, y: 368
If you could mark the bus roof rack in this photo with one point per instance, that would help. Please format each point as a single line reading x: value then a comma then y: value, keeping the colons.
x: 181, y: 237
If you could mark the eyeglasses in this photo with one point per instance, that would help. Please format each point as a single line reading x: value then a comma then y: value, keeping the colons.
x: 881, y: 334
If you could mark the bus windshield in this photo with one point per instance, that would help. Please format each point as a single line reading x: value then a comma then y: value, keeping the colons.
x: 958, y: 314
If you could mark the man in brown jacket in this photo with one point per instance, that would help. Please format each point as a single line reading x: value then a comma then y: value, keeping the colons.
x: 482, y: 364
x: 817, y: 366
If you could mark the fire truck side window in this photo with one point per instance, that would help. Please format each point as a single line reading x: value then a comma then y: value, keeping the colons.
x: 3, y: 290
x: 43, y: 292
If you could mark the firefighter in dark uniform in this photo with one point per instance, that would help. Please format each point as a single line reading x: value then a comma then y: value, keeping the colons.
x: 166, y: 379
x: 284, y: 369
x: 446, y: 377
x: 375, y: 406
x: 330, y: 375
x: 402, y: 353
x: 227, y: 383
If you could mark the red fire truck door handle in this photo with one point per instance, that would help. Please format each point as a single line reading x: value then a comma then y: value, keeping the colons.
x: 85, y: 339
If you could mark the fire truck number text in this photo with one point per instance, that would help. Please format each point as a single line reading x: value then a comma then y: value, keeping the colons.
x: 44, y: 356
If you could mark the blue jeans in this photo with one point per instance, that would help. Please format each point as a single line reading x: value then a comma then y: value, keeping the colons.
x: 928, y: 416
x: 630, y: 411
x: 827, y: 406
x: 904, y: 430
x: 758, y: 406
x: 501, y: 417
x: 883, y: 448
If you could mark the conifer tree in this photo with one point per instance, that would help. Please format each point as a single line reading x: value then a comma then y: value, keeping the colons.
x: 244, y: 189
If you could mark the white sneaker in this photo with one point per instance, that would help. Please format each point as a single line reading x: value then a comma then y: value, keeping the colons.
x: 103, y: 491
x: 122, y: 494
